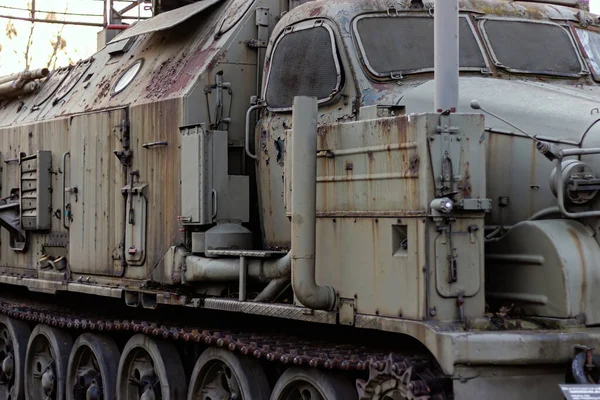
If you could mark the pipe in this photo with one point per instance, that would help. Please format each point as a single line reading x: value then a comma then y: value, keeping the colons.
x: 304, y: 204
x: 203, y: 269
x: 52, y: 21
x: 544, y: 213
x: 243, y: 276
x: 247, y: 135
x: 446, y: 55
x: 120, y: 27
x: 8, y: 90
x: 26, y: 75
x: 273, y: 289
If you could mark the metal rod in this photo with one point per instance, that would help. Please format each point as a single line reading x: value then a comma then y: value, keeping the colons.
x: 48, y: 21
x: 155, y: 144
x: 247, y: 144
x: 51, y: 12
x: 578, y: 152
x: 117, y: 26
x: 130, y: 7
x: 243, y: 276
x: 446, y: 55
x: 64, y: 189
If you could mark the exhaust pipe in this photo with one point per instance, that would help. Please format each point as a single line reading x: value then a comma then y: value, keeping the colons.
x: 304, y: 204
x: 445, y: 21
x: 26, y: 75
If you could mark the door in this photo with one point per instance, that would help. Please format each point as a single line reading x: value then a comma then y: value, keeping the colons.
x: 94, y: 197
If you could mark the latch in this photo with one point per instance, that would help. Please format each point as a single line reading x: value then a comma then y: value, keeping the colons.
x: 257, y: 43
x: 452, y: 266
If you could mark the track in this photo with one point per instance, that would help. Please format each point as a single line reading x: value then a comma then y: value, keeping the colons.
x: 416, y: 373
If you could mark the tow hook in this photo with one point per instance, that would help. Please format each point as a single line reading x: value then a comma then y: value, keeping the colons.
x: 584, y: 364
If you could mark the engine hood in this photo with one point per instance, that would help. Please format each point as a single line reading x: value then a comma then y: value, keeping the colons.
x: 539, y: 109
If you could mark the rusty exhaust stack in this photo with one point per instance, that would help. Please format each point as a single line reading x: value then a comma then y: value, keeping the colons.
x: 446, y: 55
x: 304, y: 205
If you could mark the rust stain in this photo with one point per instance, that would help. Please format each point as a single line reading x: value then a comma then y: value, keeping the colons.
x: 465, y: 183
x: 316, y: 11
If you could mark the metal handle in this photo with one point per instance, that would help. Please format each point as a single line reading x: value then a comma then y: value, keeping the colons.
x: 64, y: 187
x: 215, y: 204
x: 560, y: 183
x: 155, y: 144
x: 247, y: 144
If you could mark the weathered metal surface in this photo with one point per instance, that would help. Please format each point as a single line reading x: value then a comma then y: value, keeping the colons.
x: 382, y: 277
x: 395, y: 267
x: 172, y: 62
x: 551, y: 276
x: 96, y: 222
x: 165, y: 21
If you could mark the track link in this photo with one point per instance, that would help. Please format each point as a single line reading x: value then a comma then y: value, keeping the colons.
x: 422, y: 383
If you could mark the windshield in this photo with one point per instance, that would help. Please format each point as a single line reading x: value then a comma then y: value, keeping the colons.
x: 403, y: 45
x: 532, y: 47
x: 590, y: 42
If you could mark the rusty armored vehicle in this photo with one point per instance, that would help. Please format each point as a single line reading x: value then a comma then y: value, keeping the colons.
x: 236, y: 199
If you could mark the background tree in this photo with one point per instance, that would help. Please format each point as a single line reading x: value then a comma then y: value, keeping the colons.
x: 28, y: 56
x: 58, y: 43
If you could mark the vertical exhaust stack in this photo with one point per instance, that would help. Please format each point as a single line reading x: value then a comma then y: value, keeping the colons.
x: 304, y: 207
x: 446, y: 55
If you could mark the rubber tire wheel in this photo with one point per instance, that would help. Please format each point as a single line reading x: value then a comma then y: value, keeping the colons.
x: 62, y: 343
x: 107, y: 354
x: 332, y: 386
x: 251, y: 376
x: 169, y: 368
x: 20, y: 333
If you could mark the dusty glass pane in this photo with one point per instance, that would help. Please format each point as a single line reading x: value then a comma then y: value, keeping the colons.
x: 533, y: 47
x: 303, y: 65
x: 405, y: 44
x: 591, y: 45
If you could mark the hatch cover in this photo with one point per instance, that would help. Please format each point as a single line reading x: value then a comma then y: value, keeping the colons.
x: 165, y: 20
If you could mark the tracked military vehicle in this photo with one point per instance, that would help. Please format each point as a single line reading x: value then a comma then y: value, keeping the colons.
x: 332, y: 200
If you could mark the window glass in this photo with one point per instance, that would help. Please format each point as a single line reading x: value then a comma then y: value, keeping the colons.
x: 525, y: 46
x: 406, y: 44
x: 303, y: 64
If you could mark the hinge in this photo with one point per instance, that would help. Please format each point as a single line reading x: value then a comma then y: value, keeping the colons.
x: 257, y: 43
x: 262, y: 16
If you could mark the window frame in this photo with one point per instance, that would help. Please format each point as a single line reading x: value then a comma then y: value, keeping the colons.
x: 481, y: 23
x: 400, y: 74
x: 582, y: 49
x: 301, y: 26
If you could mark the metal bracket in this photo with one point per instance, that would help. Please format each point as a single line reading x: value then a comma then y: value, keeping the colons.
x: 138, y: 188
x: 257, y: 43
x: 347, y: 310
x: 475, y: 204
x: 155, y: 144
